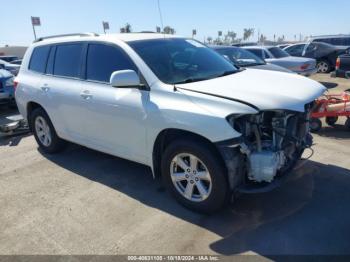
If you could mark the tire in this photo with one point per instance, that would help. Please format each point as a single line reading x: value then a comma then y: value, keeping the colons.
x: 216, y: 192
x: 44, y: 132
x: 315, y: 125
x: 347, y: 123
x: 331, y: 120
x: 323, y: 66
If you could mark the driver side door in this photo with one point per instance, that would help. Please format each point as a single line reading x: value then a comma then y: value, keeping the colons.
x: 114, y: 117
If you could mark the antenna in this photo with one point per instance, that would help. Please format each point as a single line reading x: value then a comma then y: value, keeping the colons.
x: 160, y: 15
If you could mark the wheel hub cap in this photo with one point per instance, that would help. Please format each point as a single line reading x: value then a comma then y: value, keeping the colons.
x: 43, y: 131
x: 190, y: 177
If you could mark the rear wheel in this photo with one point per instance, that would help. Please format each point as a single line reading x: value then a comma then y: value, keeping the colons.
x: 323, y: 66
x: 315, y: 125
x: 44, y: 132
x: 331, y: 120
x: 195, y: 176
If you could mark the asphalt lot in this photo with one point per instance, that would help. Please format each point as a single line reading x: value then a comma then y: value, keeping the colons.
x: 86, y: 202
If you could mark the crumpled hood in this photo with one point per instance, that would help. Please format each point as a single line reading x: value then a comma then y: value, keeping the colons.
x: 266, y: 90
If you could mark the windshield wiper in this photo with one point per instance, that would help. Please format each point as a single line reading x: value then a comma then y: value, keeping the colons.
x: 190, y: 80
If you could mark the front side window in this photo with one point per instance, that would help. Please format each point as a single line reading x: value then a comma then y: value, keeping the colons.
x: 103, y: 60
x: 68, y: 60
x: 179, y: 60
x: 39, y: 59
x: 241, y: 57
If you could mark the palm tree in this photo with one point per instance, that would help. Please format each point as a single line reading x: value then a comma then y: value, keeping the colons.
x: 169, y: 30
x: 247, y: 33
x: 209, y: 39
x: 126, y: 29
x: 232, y: 35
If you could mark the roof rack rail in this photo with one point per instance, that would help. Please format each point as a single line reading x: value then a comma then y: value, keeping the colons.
x: 64, y: 35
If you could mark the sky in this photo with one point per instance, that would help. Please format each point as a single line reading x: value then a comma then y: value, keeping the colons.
x: 269, y: 17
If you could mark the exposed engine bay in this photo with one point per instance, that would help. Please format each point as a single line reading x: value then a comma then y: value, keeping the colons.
x: 272, y: 141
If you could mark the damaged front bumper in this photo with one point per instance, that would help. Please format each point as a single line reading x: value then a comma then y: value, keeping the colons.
x: 268, y: 149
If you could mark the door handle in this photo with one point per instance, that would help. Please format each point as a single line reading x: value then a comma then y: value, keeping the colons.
x: 86, y: 95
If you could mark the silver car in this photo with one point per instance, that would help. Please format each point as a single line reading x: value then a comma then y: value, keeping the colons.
x: 243, y: 58
x: 275, y: 55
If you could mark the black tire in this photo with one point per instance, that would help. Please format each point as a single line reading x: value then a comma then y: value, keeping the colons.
x: 331, y: 120
x: 315, y: 125
x: 323, y: 66
x: 219, y: 194
x: 347, y: 123
x: 57, y: 144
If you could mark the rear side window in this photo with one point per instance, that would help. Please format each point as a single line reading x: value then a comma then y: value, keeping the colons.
x: 39, y: 59
x: 68, y: 60
x: 256, y: 52
x: 103, y: 60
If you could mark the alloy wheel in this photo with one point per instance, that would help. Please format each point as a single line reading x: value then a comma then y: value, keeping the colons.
x: 43, y: 131
x: 190, y: 177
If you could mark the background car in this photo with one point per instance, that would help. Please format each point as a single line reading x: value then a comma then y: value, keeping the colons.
x: 337, y: 40
x: 325, y: 54
x: 17, y: 62
x: 342, y: 67
x: 9, y: 58
x: 243, y: 58
x: 6, y: 87
x: 14, y: 69
x: 277, y: 56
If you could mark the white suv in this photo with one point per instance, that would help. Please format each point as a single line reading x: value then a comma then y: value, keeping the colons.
x: 206, y: 127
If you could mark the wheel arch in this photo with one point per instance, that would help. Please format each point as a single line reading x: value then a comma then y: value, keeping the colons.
x: 166, y: 136
x: 30, y: 107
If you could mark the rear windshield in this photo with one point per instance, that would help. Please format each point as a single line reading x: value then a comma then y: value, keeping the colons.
x: 278, y: 52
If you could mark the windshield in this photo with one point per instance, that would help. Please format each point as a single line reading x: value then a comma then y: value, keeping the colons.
x: 240, y: 57
x: 179, y: 60
x: 278, y: 52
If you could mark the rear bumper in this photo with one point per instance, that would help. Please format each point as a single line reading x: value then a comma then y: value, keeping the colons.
x: 308, y: 72
x: 341, y: 73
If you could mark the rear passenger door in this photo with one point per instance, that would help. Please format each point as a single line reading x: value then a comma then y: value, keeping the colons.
x: 114, y: 117
x: 62, y: 85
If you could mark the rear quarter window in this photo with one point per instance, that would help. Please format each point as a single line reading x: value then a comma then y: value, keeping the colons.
x: 38, y: 59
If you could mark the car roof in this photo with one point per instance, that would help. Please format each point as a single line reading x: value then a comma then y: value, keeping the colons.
x: 256, y: 47
x: 223, y: 47
x: 329, y: 36
x: 125, y: 37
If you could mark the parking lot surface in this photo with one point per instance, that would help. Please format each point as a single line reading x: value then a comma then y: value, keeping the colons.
x: 85, y: 202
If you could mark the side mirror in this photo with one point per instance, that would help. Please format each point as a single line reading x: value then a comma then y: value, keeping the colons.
x: 125, y: 78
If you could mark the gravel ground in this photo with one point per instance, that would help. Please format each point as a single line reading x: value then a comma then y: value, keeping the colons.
x: 86, y: 202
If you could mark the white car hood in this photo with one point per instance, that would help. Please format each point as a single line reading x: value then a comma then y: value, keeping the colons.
x: 266, y: 90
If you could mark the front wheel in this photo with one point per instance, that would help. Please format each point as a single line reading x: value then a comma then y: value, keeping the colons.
x: 195, y: 175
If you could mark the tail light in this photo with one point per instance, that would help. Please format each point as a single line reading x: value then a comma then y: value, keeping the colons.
x: 304, y: 67
x: 337, y: 64
x: 15, y: 84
